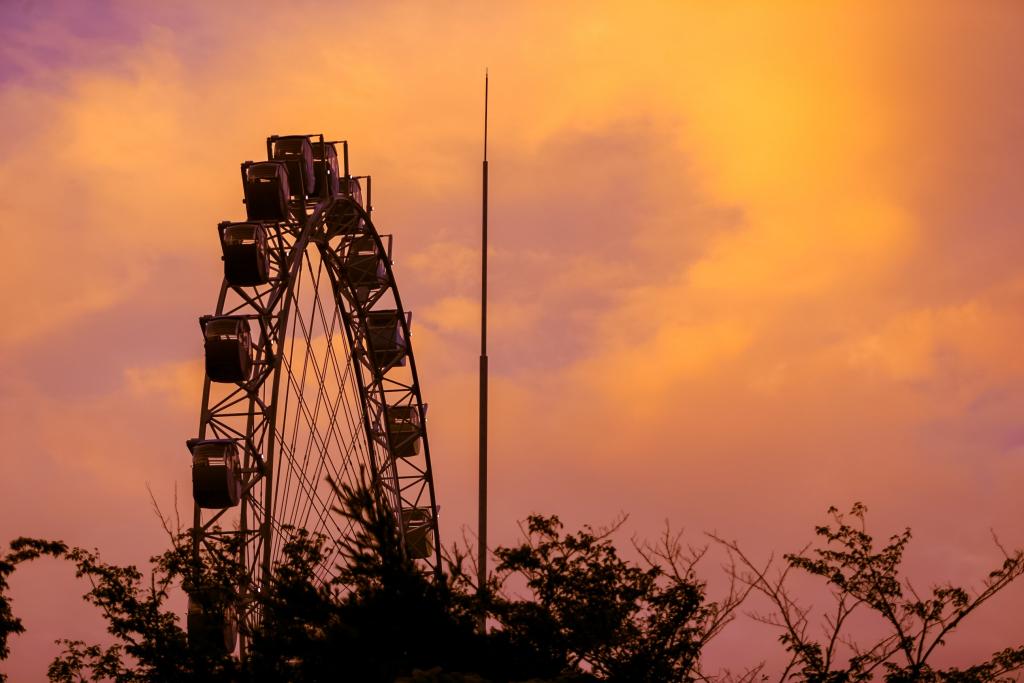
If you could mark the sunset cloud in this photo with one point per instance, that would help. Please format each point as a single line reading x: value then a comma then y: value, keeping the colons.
x: 747, y: 260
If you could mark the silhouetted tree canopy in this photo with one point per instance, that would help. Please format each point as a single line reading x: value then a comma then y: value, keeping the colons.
x: 21, y: 550
x: 562, y: 606
x: 589, y: 609
x: 864, y: 577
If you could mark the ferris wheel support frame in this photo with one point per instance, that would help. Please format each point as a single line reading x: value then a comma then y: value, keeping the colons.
x: 328, y: 224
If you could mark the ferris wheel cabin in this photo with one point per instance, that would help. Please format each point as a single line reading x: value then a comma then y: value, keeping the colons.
x: 404, y: 430
x: 345, y: 217
x: 245, y: 252
x: 386, y: 335
x: 216, y: 479
x: 210, y: 624
x: 355, y: 191
x: 364, y: 268
x: 325, y: 165
x: 228, y: 346
x: 419, y: 532
x: 296, y: 153
x: 266, y: 190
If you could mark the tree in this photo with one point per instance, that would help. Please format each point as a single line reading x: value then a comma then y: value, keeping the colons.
x: 21, y: 550
x: 150, y: 643
x: 379, y: 619
x: 148, y: 634
x: 588, y: 613
x: 593, y: 615
x: 863, y: 577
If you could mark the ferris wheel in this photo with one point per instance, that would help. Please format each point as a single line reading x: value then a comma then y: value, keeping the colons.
x: 310, y: 376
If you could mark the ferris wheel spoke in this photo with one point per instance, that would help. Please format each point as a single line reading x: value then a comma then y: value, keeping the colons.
x: 319, y: 374
x: 335, y: 472
x: 301, y: 481
x: 316, y: 438
x: 284, y: 532
x: 308, y: 487
x: 298, y: 387
x: 341, y: 379
x: 303, y: 411
x: 283, y: 414
x: 325, y: 452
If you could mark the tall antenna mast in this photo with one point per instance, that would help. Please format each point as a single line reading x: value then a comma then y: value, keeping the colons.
x: 482, y: 520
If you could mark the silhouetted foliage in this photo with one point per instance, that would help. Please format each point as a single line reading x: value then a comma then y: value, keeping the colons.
x: 150, y: 642
x: 586, y: 613
x: 592, y: 614
x: 22, y: 550
x: 862, y: 576
x: 381, y: 617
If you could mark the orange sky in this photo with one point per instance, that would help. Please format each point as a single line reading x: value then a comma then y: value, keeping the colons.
x: 749, y: 260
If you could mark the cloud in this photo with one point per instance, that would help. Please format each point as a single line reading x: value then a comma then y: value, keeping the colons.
x: 177, y: 383
x: 747, y: 260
